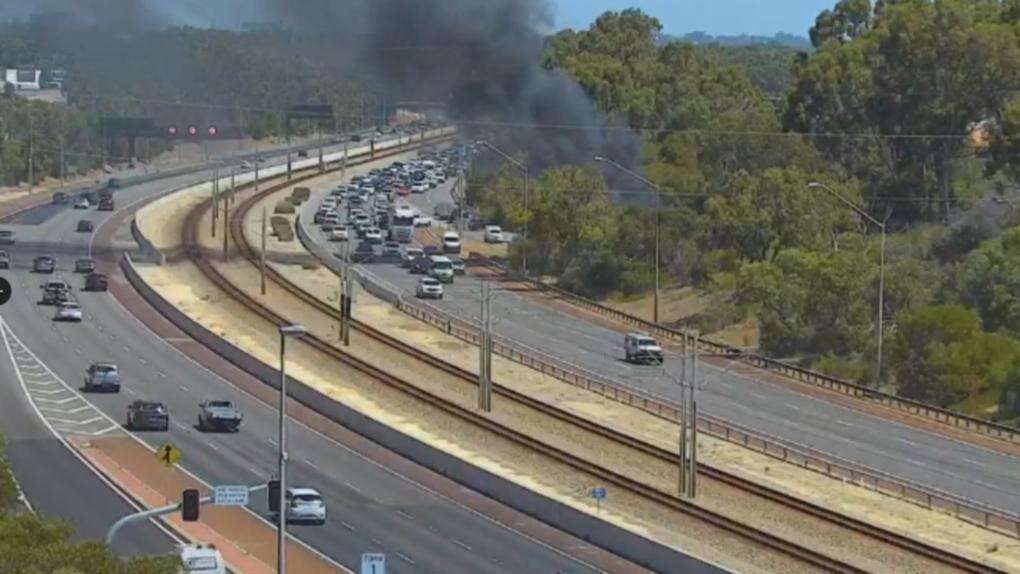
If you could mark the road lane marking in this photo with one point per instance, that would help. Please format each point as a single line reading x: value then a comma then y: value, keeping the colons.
x: 142, y: 361
x: 405, y: 514
x: 405, y: 558
x: 352, y: 487
x: 180, y: 426
x: 183, y: 388
x: 462, y: 545
x: 212, y: 446
x: 311, y: 464
x: 347, y: 526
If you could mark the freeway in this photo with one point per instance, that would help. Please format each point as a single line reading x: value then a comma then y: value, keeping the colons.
x: 925, y: 458
x: 370, y: 507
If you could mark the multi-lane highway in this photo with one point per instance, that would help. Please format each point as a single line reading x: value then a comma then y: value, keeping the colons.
x: 929, y: 459
x: 370, y: 507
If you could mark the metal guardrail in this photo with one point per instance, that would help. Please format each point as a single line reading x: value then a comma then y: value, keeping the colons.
x: 945, y: 416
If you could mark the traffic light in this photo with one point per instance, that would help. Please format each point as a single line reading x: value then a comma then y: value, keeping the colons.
x: 189, y: 505
x: 274, y: 496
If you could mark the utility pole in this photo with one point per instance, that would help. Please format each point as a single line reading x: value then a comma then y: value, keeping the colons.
x: 682, y: 450
x: 215, y: 205
x: 258, y: 158
x: 262, y: 256
x: 31, y: 150
x: 226, y: 224
x: 347, y: 293
x: 281, y: 533
x: 693, y: 419
x: 484, y: 352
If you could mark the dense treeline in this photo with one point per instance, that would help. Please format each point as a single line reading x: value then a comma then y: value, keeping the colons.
x: 904, y: 108
x: 33, y: 543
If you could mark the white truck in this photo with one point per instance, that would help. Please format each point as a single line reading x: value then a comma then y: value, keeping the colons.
x: 642, y: 348
x: 203, y: 558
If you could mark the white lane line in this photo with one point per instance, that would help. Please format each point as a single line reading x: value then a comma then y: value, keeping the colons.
x: 792, y: 406
x: 126, y: 348
x: 106, y: 430
x: 142, y: 361
x: 254, y: 471
x: 77, y: 351
x: 180, y: 426
x: 352, y: 487
x: 129, y: 391
x: 405, y: 514
x: 347, y: 526
x: 311, y: 464
x: 161, y: 375
x: 272, y: 442
x: 58, y: 401
x: 906, y: 441
x: 405, y: 558
x: 183, y: 388
x: 212, y: 446
x: 53, y: 392
x: 462, y: 545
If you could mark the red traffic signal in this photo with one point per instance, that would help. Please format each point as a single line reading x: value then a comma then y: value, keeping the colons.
x: 192, y: 131
x: 213, y: 131
x: 171, y: 131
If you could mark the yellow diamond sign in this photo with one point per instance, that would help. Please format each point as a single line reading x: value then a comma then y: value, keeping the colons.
x: 168, y: 454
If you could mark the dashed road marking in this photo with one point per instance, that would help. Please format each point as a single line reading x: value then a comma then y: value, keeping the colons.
x: 462, y: 545
x: 347, y: 526
x: 183, y: 388
x: 405, y: 557
x: 405, y: 514
x: 352, y: 487
x: 311, y: 464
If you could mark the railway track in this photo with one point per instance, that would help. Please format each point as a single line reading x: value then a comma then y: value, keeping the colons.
x: 792, y: 549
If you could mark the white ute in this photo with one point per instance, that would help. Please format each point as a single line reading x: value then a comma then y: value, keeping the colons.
x: 203, y: 558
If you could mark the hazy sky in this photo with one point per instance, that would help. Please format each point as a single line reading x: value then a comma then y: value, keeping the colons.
x: 764, y: 17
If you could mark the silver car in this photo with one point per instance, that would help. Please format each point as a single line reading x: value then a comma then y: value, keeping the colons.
x: 102, y: 377
x: 305, y: 505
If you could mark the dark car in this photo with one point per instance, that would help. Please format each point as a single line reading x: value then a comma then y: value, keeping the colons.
x: 61, y: 197
x: 148, y: 415
x: 391, y: 253
x: 5, y: 260
x: 96, y: 282
x: 420, y: 266
x: 43, y: 264
x: 84, y: 265
x: 55, y: 292
x: 102, y: 377
x: 105, y: 204
x: 431, y: 250
x: 363, y: 253
x: 219, y: 416
x: 85, y: 226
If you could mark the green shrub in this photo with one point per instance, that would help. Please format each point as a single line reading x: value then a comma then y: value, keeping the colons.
x: 285, y: 207
x: 300, y: 195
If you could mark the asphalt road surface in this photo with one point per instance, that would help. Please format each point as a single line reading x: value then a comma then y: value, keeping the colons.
x: 370, y: 508
x: 924, y: 458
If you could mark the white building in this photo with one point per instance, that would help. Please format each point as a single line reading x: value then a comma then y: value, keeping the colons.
x: 23, y: 78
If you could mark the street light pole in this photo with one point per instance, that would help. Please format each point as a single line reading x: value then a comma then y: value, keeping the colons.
x: 658, y: 224
x: 527, y: 214
x: 881, y: 271
x: 281, y: 549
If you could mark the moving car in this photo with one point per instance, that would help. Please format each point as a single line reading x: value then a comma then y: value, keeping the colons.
x: 84, y: 265
x: 55, y: 292
x: 451, y: 242
x: 305, y: 505
x: 103, y: 377
x: 5, y: 260
x: 148, y: 415
x: 105, y: 204
x: 429, y: 288
x: 458, y: 266
x: 60, y: 197
x: 85, y: 226
x: 493, y: 234
x: 374, y: 236
x: 68, y: 311
x: 81, y: 203
x: 201, y: 558
x: 219, y: 416
x: 422, y: 220
x: 441, y: 268
x: 6, y: 237
x: 642, y: 348
x: 96, y: 282
x: 43, y: 264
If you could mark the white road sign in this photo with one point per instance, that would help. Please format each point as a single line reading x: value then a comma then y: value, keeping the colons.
x: 373, y: 563
x: 230, y: 496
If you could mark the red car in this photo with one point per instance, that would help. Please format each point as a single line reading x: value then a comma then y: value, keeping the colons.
x: 402, y: 191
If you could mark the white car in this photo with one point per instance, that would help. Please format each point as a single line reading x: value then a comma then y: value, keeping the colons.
x: 81, y: 204
x: 245, y: 164
x: 429, y: 288
x: 419, y: 187
x: 423, y: 220
x: 493, y: 234
x: 305, y: 505
x: 451, y: 242
x: 204, y: 558
x: 340, y: 233
x: 68, y: 311
x: 373, y: 236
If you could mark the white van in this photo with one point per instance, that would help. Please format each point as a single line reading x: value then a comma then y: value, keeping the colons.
x: 202, y: 559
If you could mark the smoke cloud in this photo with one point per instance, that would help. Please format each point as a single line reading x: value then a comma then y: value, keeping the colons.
x: 478, y: 58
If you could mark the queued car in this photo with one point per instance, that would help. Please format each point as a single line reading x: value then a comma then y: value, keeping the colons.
x: 429, y: 288
x: 441, y: 268
x: 451, y: 242
x: 373, y: 235
x: 6, y: 237
x: 148, y: 415
x: 81, y: 203
x: 68, y: 311
x: 410, y: 255
x: 5, y: 260
x: 458, y: 266
x: 219, y: 416
x: 105, y: 204
x: 85, y: 265
x: 422, y: 220
x: 55, y: 292
x: 85, y: 226
x: 44, y: 264
x: 363, y: 253
x: 96, y: 282
x: 339, y: 233
x: 102, y: 377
